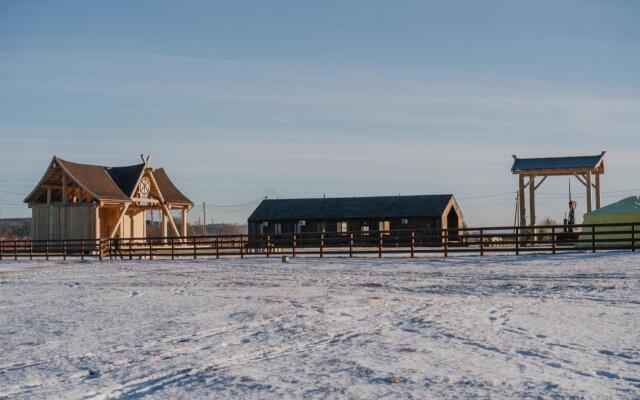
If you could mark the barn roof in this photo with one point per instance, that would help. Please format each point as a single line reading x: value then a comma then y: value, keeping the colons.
x: 579, y: 162
x: 169, y: 191
x: 109, y: 183
x: 352, y: 207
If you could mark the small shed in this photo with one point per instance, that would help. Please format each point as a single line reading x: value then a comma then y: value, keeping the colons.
x: 84, y: 201
x: 356, y: 214
x: 626, y: 210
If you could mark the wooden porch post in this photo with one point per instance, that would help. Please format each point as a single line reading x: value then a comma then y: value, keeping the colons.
x: 532, y: 200
x: 523, y: 211
x: 597, y: 191
x: 165, y: 223
x: 184, y: 222
x: 588, y: 191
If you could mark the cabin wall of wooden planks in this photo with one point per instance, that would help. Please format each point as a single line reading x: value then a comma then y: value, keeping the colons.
x: 63, y: 221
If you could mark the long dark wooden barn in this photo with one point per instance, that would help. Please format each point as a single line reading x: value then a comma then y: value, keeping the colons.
x: 363, y: 215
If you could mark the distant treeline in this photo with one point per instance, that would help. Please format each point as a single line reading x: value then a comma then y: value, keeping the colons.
x: 20, y: 228
x: 15, y: 228
x: 154, y: 229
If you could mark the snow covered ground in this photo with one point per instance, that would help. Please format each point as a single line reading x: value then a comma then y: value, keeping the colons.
x: 559, y: 326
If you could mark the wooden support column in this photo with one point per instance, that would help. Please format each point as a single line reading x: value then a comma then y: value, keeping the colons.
x: 532, y: 200
x: 523, y: 212
x: 123, y: 211
x: 165, y: 222
x: 184, y: 222
x: 167, y: 218
x: 588, y: 191
x: 597, y: 191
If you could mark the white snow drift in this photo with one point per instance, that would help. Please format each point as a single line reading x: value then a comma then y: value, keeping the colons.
x: 502, y: 327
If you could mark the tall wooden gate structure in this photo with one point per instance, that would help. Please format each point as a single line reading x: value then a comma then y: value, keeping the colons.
x: 532, y: 172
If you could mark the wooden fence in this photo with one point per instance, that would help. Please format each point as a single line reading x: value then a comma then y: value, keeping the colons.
x: 400, y: 243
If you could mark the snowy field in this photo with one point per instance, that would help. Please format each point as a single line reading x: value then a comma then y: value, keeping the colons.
x: 565, y: 326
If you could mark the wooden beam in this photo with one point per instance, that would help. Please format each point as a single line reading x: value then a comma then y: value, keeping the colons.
x: 532, y: 200
x: 555, y: 171
x: 581, y: 179
x: 588, y: 191
x: 523, y: 215
x: 49, y: 196
x: 184, y: 222
x: 540, y: 183
x: 597, y: 191
x: 115, y: 228
x: 153, y: 180
x: 167, y: 216
x: 141, y: 200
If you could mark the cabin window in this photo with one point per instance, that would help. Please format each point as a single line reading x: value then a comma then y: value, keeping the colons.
x: 342, y: 226
x: 264, y: 227
x: 298, y: 227
x: 278, y: 228
x: 405, y: 221
x: 384, y: 226
x: 365, y: 229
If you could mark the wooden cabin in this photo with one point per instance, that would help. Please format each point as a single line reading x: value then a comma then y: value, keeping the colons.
x: 82, y: 201
x: 355, y: 214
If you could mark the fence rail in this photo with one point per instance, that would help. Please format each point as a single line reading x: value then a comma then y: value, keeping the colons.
x: 399, y: 243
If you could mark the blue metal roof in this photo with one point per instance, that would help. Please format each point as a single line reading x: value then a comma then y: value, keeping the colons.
x: 586, y: 162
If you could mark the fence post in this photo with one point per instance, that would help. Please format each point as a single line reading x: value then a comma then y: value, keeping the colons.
x: 82, y: 250
x: 295, y: 237
x: 413, y: 244
x: 553, y: 239
x: 64, y: 250
x: 321, y: 245
x: 593, y: 238
x: 241, y: 247
x: 100, y: 249
x: 1, y: 248
x: 380, y: 245
x: 351, y: 245
x: 446, y: 243
x: 195, y: 248
x: 173, y: 248
x: 268, y: 245
x: 517, y: 241
x: 217, y: 247
x: 481, y: 242
x: 633, y: 237
x: 46, y: 250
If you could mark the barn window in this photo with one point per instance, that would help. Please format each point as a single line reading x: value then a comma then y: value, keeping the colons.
x: 342, y: 226
x: 365, y: 229
x: 384, y: 226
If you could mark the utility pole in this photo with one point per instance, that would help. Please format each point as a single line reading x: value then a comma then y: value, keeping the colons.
x: 204, y: 218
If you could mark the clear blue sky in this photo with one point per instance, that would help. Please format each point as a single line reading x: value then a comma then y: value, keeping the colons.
x: 239, y: 100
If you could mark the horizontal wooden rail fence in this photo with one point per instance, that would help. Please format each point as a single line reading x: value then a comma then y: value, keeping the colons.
x: 399, y: 243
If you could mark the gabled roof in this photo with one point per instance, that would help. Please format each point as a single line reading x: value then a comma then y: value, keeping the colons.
x: 352, y: 207
x: 580, y: 162
x: 109, y: 183
x: 126, y: 177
